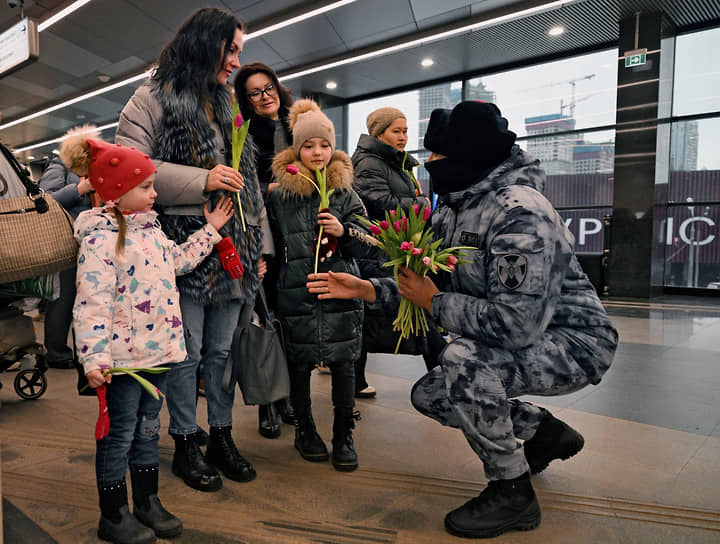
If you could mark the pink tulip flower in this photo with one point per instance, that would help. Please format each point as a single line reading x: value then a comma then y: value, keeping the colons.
x: 427, y: 261
x: 238, y: 120
x: 416, y: 209
x: 452, y: 259
x: 417, y: 251
x: 426, y: 214
x: 375, y: 230
x: 384, y: 225
x: 291, y: 169
x: 405, y: 246
x: 404, y: 224
x: 397, y: 226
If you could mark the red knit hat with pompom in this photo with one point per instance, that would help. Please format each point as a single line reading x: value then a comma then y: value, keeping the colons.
x: 111, y: 168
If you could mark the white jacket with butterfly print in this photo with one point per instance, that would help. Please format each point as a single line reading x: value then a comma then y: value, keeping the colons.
x: 127, y: 310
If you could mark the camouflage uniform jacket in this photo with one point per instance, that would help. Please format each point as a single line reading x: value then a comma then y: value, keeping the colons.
x: 523, y: 279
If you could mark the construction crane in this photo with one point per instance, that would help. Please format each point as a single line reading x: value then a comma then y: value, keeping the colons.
x: 572, y: 82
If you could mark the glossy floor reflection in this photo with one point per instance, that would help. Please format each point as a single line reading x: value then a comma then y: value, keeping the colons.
x: 650, y: 470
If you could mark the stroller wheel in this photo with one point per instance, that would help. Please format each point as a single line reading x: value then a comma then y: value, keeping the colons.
x: 30, y: 384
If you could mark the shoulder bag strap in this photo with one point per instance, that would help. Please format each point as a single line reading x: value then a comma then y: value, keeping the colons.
x: 33, y: 190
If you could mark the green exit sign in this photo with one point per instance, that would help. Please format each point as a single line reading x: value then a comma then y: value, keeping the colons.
x: 635, y: 58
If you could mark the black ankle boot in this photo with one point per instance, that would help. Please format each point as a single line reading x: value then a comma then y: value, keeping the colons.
x: 308, y: 441
x: 344, y: 456
x: 202, y: 436
x: 147, y: 507
x: 268, y: 424
x: 285, y: 410
x: 504, y: 505
x: 222, y: 453
x: 189, y: 464
x: 554, y: 439
x: 117, y: 524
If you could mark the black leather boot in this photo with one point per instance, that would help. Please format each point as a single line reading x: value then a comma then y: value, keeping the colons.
x: 285, y: 410
x: 344, y: 456
x: 147, y: 507
x: 307, y: 440
x: 222, y: 453
x: 268, y: 423
x: 117, y: 524
x: 504, y: 505
x: 554, y: 439
x: 189, y: 464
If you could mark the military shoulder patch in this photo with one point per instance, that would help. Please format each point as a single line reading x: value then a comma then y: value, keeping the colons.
x: 512, y: 270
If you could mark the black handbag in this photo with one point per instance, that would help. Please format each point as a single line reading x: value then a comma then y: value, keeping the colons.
x: 257, y: 358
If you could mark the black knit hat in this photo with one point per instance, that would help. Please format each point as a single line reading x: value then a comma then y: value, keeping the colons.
x: 472, y: 133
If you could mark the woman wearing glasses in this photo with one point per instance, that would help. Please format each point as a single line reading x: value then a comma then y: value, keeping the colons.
x: 182, y: 119
x: 266, y: 102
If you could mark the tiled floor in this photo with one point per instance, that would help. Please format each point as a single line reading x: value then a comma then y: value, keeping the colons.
x: 650, y: 470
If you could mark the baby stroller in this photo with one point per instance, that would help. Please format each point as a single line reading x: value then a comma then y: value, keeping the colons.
x: 17, y: 343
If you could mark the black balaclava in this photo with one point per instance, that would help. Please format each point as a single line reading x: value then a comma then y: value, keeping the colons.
x: 474, y: 137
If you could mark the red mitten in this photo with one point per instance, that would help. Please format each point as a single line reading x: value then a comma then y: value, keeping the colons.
x: 102, y: 427
x: 229, y: 258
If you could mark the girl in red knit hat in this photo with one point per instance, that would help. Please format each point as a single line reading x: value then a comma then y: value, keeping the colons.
x: 127, y: 315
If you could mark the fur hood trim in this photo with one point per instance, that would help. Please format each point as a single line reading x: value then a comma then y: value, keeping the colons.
x: 339, y: 173
x: 75, y: 149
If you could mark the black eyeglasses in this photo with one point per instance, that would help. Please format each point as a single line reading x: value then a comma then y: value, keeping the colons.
x: 257, y: 95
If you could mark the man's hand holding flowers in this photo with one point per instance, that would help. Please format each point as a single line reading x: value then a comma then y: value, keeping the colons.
x: 417, y: 289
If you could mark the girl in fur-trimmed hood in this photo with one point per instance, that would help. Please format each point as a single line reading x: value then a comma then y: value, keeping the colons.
x: 316, y: 331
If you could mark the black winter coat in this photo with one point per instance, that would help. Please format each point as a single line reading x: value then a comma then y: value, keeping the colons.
x: 328, y: 330
x: 380, y: 179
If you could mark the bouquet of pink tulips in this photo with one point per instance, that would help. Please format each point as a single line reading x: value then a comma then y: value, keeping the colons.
x: 407, y: 241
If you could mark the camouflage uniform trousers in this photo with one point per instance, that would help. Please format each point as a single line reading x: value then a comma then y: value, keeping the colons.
x: 474, y: 387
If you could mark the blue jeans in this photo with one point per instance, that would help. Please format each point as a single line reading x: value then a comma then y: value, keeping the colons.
x: 134, y: 425
x: 209, y: 330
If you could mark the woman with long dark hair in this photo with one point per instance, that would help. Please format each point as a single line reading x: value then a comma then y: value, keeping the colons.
x: 182, y: 118
x: 265, y: 102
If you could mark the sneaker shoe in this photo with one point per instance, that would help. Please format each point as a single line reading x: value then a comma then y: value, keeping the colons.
x: 368, y: 393
x: 504, y: 505
x: 554, y: 439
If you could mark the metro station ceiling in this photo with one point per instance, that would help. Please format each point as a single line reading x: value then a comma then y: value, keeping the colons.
x: 112, y: 40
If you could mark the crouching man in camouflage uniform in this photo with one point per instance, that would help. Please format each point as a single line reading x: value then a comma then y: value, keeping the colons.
x: 524, y: 317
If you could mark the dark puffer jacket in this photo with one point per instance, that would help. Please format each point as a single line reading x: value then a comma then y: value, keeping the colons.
x: 380, y: 179
x: 328, y: 330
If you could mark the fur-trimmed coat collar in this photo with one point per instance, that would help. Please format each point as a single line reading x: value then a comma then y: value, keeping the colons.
x: 339, y: 173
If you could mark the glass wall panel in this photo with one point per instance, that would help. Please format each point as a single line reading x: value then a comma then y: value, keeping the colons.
x: 697, y: 73
x: 692, y: 246
x: 694, y: 161
x: 587, y: 227
x: 575, y: 93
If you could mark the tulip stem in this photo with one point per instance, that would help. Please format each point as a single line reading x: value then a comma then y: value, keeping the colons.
x: 317, y: 249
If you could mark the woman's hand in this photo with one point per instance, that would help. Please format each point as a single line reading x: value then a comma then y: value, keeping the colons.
x: 221, y: 214
x: 417, y: 289
x: 340, y: 285
x: 262, y: 268
x: 331, y: 224
x: 84, y: 187
x: 96, y: 378
x: 225, y: 178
